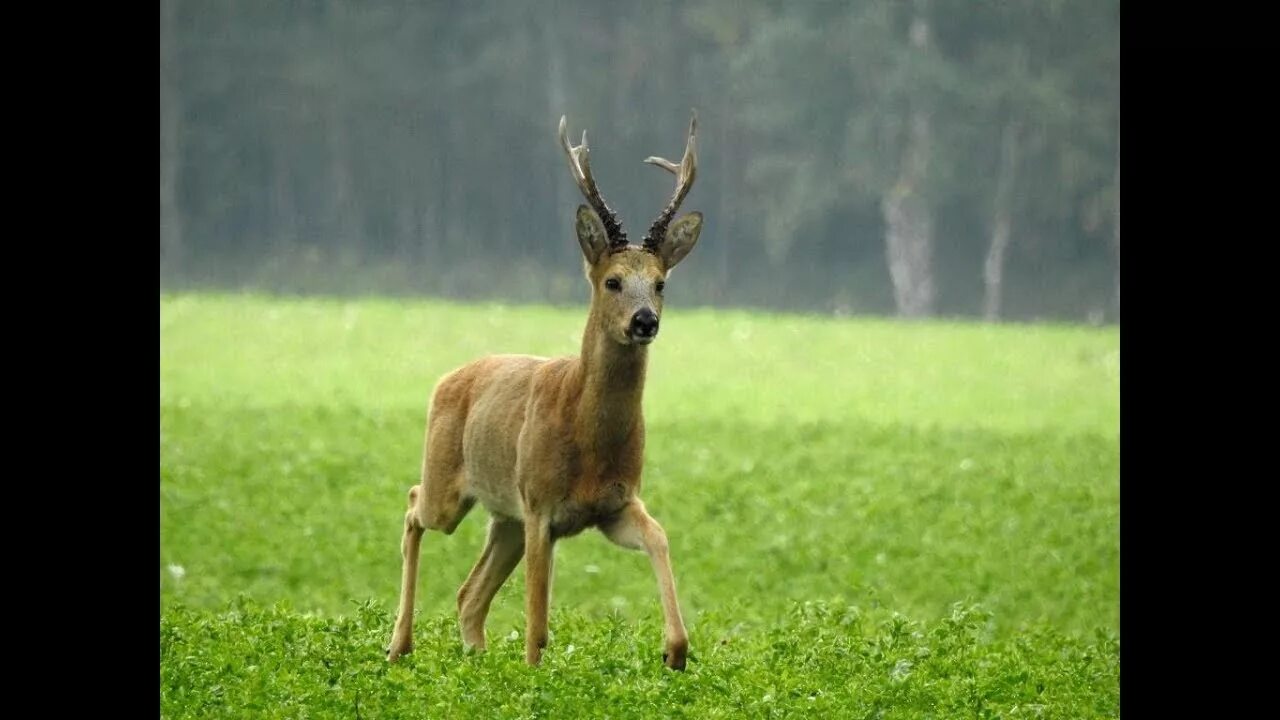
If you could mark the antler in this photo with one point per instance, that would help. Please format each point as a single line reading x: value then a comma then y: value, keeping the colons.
x: 685, y: 173
x: 580, y: 166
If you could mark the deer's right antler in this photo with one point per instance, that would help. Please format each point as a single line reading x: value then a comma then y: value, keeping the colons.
x: 580, y: 166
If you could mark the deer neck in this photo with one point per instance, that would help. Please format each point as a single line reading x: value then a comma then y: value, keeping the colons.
x: 609, y: 408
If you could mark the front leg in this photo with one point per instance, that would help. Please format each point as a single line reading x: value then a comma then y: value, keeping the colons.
x: 634, y: 528
x: 538, y: 549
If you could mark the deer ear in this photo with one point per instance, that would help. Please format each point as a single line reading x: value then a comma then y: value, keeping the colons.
x: 681, y: 237
x: 591, y: 235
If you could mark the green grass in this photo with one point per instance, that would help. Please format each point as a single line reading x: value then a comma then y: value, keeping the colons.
x: 867, y: 519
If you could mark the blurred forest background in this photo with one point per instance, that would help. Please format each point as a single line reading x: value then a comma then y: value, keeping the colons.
x: 911, y: 158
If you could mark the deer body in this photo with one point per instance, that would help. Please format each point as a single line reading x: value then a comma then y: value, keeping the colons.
x: 552, y: 447
x: 520, y: 412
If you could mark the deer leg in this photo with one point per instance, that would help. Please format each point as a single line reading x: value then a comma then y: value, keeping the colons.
x: 634, y: 528
x: 443, y: 514
x: 502, y: 552
x: 437, y: 503
x: 538, y: 549
x: 410, y: 546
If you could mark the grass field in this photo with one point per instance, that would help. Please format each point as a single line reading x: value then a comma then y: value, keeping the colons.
x: 866, y: 518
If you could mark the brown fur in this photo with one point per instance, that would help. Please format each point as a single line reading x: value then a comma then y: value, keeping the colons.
x: 550, y: 447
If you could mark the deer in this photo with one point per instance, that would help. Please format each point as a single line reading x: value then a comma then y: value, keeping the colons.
x: 554, y: 446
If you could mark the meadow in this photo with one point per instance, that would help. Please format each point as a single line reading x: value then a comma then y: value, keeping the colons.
x: 867, y: 518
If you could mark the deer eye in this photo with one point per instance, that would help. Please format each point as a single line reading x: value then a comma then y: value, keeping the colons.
x: 660, y: 285
x: 613, y: 284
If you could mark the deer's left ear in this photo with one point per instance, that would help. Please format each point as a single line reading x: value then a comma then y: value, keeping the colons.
x: 681, y: 237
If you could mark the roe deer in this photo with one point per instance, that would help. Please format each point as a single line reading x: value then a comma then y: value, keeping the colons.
x: 551, y: 447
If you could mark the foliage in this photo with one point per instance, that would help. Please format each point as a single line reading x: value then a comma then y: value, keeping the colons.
x: 826, y: 512
x: 409, y: 147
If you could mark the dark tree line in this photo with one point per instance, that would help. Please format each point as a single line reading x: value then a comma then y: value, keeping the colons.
x: 917, y: 157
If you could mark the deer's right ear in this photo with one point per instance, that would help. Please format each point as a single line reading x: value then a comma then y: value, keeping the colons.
x: 591, y: 235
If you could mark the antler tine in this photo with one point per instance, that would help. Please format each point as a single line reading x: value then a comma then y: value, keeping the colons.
x: 685, y: 173
x: 580, y: 167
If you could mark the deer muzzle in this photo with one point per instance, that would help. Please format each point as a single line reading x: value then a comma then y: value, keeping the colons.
x: 644, y: 326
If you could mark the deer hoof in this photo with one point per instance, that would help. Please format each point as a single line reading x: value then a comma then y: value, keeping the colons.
x: 674, y: 657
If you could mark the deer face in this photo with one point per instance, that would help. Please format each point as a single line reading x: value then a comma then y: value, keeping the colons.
x: 627, y: 283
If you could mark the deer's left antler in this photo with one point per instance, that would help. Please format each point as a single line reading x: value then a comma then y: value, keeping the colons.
x: 685, y: 173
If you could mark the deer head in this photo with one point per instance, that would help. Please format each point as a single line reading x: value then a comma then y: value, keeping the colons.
x: 627, y: 281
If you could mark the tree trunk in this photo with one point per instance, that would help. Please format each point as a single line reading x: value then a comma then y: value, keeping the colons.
x: 909, y: 241
x: 993, y: 269
x: 908, y: 217
x: 170, y: 145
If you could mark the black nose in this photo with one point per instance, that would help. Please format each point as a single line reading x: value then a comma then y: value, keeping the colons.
x: 644, y: 323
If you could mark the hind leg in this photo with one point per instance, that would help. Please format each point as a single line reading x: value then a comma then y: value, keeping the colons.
x: 439, y: 504
x: 502, y: 552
